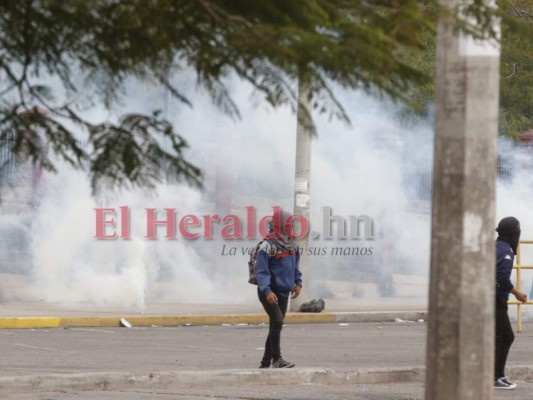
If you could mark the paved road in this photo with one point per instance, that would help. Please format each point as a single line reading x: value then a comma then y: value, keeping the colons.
x: 144, y: 350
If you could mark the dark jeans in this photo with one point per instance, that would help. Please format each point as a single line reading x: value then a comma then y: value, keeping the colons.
x: 504, y: 336
x: 276, y: 313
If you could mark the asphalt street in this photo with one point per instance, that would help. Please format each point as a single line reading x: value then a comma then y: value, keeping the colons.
x: 341, y: 347
x: 144, y: 350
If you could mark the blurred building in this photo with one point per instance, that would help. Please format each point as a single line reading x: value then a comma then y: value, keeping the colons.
x: 20, y: 189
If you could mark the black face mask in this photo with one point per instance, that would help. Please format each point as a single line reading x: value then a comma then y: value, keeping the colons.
x: 509, y: 231
x: 513, y: 241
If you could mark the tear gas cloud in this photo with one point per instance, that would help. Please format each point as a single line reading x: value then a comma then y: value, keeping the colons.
x: 379, y: 167
x: 515, y: 190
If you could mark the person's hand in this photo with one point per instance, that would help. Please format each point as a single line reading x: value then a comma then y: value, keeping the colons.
x: 272, y: 298
x: 296, y: 291
x: 520, y: 296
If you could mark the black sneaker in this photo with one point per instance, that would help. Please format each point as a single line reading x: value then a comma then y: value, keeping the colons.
x: 264, y: 365
x: 281, y: 363
x: 504, y: 383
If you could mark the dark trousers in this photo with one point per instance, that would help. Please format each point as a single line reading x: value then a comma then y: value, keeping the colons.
x: 276, y: 313
x: 504, y: 336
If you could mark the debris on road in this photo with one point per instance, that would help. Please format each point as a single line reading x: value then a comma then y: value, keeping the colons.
x: 124, y: 322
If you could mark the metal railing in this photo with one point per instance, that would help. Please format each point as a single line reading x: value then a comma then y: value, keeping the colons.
x: 519, y: 267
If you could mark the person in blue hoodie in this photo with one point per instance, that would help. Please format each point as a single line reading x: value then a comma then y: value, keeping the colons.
x: 278, y: 276
x: 506, y: 246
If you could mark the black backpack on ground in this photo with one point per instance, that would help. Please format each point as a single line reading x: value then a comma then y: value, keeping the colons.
x: 315, y: 305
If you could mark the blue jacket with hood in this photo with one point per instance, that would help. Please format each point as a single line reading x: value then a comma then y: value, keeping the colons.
x: 279, y: 272
x: 504, y: 267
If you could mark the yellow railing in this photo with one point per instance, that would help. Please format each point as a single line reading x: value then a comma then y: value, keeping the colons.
x: 519, y: 267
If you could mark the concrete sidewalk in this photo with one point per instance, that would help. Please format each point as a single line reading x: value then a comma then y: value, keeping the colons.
x: 383, y: 391
x: 39, y: 309
x: 19, y: 315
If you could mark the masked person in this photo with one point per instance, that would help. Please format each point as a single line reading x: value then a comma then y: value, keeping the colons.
x: 506, y: 247
x: 278, y: 276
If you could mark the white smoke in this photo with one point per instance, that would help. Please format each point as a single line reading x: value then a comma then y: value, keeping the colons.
x: 514, y: 199
x: 356, y: 170
x: 373, y: 167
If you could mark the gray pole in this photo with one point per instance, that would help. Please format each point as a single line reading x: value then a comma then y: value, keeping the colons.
x: 460, y: 346
x: 302, y: 183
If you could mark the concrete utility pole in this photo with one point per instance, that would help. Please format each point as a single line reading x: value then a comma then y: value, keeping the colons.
x: 302, y: 182
x: 460, y: 347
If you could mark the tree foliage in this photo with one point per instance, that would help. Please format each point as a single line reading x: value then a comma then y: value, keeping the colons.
x: 516, y: 68
x: 92, y: 47
x: 516, y: 93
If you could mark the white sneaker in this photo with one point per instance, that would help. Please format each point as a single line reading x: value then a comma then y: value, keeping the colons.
x: 514, y: 385
x: 504, y: 383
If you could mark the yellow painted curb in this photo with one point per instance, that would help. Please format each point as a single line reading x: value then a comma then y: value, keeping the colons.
x: 70, y: 322
x: 163, y: 320
x: 305, y: 318
x: 29, y: 322
x: 197, y: 320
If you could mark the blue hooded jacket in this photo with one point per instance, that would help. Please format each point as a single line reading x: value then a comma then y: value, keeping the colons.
x: 278, y: 273
x: 504, y: 267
